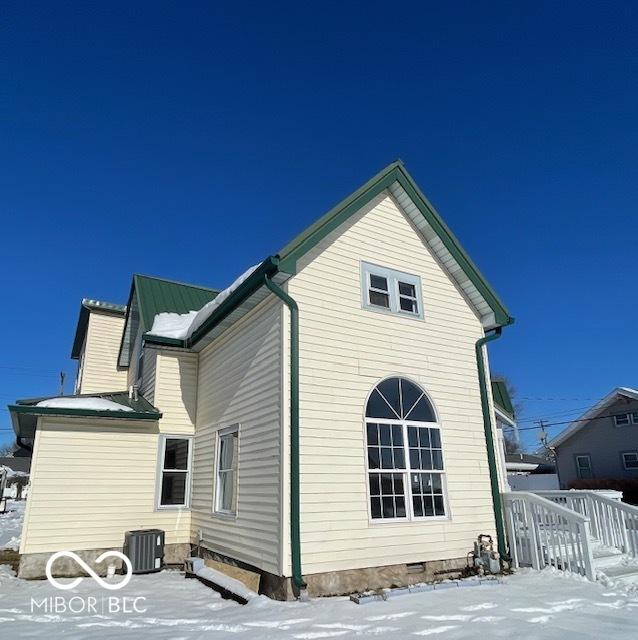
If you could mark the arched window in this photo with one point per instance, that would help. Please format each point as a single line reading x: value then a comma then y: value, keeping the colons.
x: 405, y: 457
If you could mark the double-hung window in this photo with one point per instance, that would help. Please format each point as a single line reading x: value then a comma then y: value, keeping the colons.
x: 623, y: 419
x: 406, y: 478
x: 583, y: 466
x: 175, y: 472
x: 630, y: 460
x: 227, y: 470
x: 390, y: 291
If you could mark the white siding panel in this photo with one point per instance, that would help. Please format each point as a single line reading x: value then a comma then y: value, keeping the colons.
x: 344, y: 351
x: 176, y: 390
x: 100, y: 371
x: 91, y: 481
x: 240, y: 382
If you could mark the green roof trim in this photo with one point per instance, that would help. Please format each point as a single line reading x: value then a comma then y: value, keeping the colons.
x: 502, y: 398
x: 24, y: 413
x: 395, y: 172
x: 86, y: 307
x: 286, y: 262
x: 149, y: 296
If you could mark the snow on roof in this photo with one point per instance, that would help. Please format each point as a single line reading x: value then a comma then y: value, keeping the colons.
x: 183, y: 325
x: 73, y: 402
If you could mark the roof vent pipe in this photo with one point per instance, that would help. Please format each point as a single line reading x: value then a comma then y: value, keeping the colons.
x: 133, y: 392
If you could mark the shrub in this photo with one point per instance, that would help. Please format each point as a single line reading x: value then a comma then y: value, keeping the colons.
x: 628, y: 486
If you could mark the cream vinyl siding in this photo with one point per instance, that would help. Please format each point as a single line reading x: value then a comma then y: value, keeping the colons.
x: 345, y: 351
x: 175, y: 393
x: 240, y: 383
x: 91, y: 481
x: 100, y: 372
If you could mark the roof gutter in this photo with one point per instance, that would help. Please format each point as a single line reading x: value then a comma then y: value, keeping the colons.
x: 489, y: 437
x: 295, y: 529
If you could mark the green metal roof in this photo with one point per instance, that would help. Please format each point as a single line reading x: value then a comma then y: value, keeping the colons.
x: 86, y: 307
x: 149, y: 296
x: 502, y: 397
x: 285, y: 262
x: 24, y: 413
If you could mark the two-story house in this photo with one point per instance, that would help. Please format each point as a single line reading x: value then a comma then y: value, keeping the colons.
x: 327, y: 420
x: 602, y: 443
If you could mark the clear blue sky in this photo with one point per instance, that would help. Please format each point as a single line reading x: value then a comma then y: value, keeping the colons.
x: 189, y: 140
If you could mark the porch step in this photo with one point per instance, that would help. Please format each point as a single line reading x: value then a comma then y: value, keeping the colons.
x: 606, y: 557
x: 623, y: 572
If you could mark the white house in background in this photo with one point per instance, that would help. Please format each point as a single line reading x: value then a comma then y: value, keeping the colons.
x: 326, y: 421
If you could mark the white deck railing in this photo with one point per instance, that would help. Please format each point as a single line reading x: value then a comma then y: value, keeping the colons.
x: 544, y: 533
x: 614, y: 523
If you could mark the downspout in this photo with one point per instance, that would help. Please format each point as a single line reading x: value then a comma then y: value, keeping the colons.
x: 295, y: 535
x: 489, y: 440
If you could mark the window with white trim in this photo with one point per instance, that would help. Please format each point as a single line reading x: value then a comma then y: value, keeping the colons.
x: 630, y: 460
x: 227, y: 467
x: 583, y: 466
x: 175, y: 471
x: 406, y: 477
x: 623, y: 419
x: 391, y: 291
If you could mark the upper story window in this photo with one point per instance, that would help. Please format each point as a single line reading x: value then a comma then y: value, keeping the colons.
x: 390, y: 291
x: 227, y: 470
x: 406, y: 477
x: 623, y: 419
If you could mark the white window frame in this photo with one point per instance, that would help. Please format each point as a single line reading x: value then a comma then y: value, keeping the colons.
x: 217, y: 510
x: 393, y: 278
x: 161, y: 470
x: 578, y: 467
x: 628, y: 416
x: 407, y: 486
x: 624, y: 460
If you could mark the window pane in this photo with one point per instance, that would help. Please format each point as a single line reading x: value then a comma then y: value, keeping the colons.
x: 176, y: 454
x: 227, y: 501
x: 631, y: 460
x: 400, y: 506
x: 375, y: 485
x: 435, y: 438
x: 422, y: 411
x: 373, y: 457
x: 426, y: 459
x: 397, y: 435
x: 389, y: 389
x: 411, y: 393
x: 408, y: 304
x: 379, y: 299
x: 378, y: 407
x: 437, y: 460
x: 387, y: 487
x: 439, y: 509
x: 414, y: 459
x: 437, y: 485
x: 385, y: 435
x: 378, y: 282
x: 634, y: 417
x: 429, y: 506
x: 399, y: 459
x: 413, y: 436
x: 173, y: 488
x: 375, y: 507
x: 415, y: 482
x: 407, y: 289
x: 622, y: 418
x: 228, y: 451
x: 424, y: 438
x: 398, y: 484
x: 373, y: 433
x: 388, y: 507
x: 417, y: 505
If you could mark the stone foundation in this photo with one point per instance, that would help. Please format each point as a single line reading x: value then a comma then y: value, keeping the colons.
x: 340, y: 583
x: 33, y: 565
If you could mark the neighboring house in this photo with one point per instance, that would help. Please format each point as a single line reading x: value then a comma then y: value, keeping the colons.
x: 327, y: 420
x: 602, y: 443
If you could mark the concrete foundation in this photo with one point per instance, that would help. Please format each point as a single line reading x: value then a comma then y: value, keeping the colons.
x: 348, y: 581
x: 33, y: 565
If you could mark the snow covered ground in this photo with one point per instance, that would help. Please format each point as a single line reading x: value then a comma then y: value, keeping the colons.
x: 11, y: 524
x: 551, y: 606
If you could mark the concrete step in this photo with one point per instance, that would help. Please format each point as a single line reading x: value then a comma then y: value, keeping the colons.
x: 624, y: 572
x: 606, y: 557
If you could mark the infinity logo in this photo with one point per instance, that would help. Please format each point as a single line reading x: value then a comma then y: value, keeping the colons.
x: 76, y: 582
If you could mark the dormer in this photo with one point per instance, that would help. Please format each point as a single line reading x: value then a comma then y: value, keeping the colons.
x: 96, y: 345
